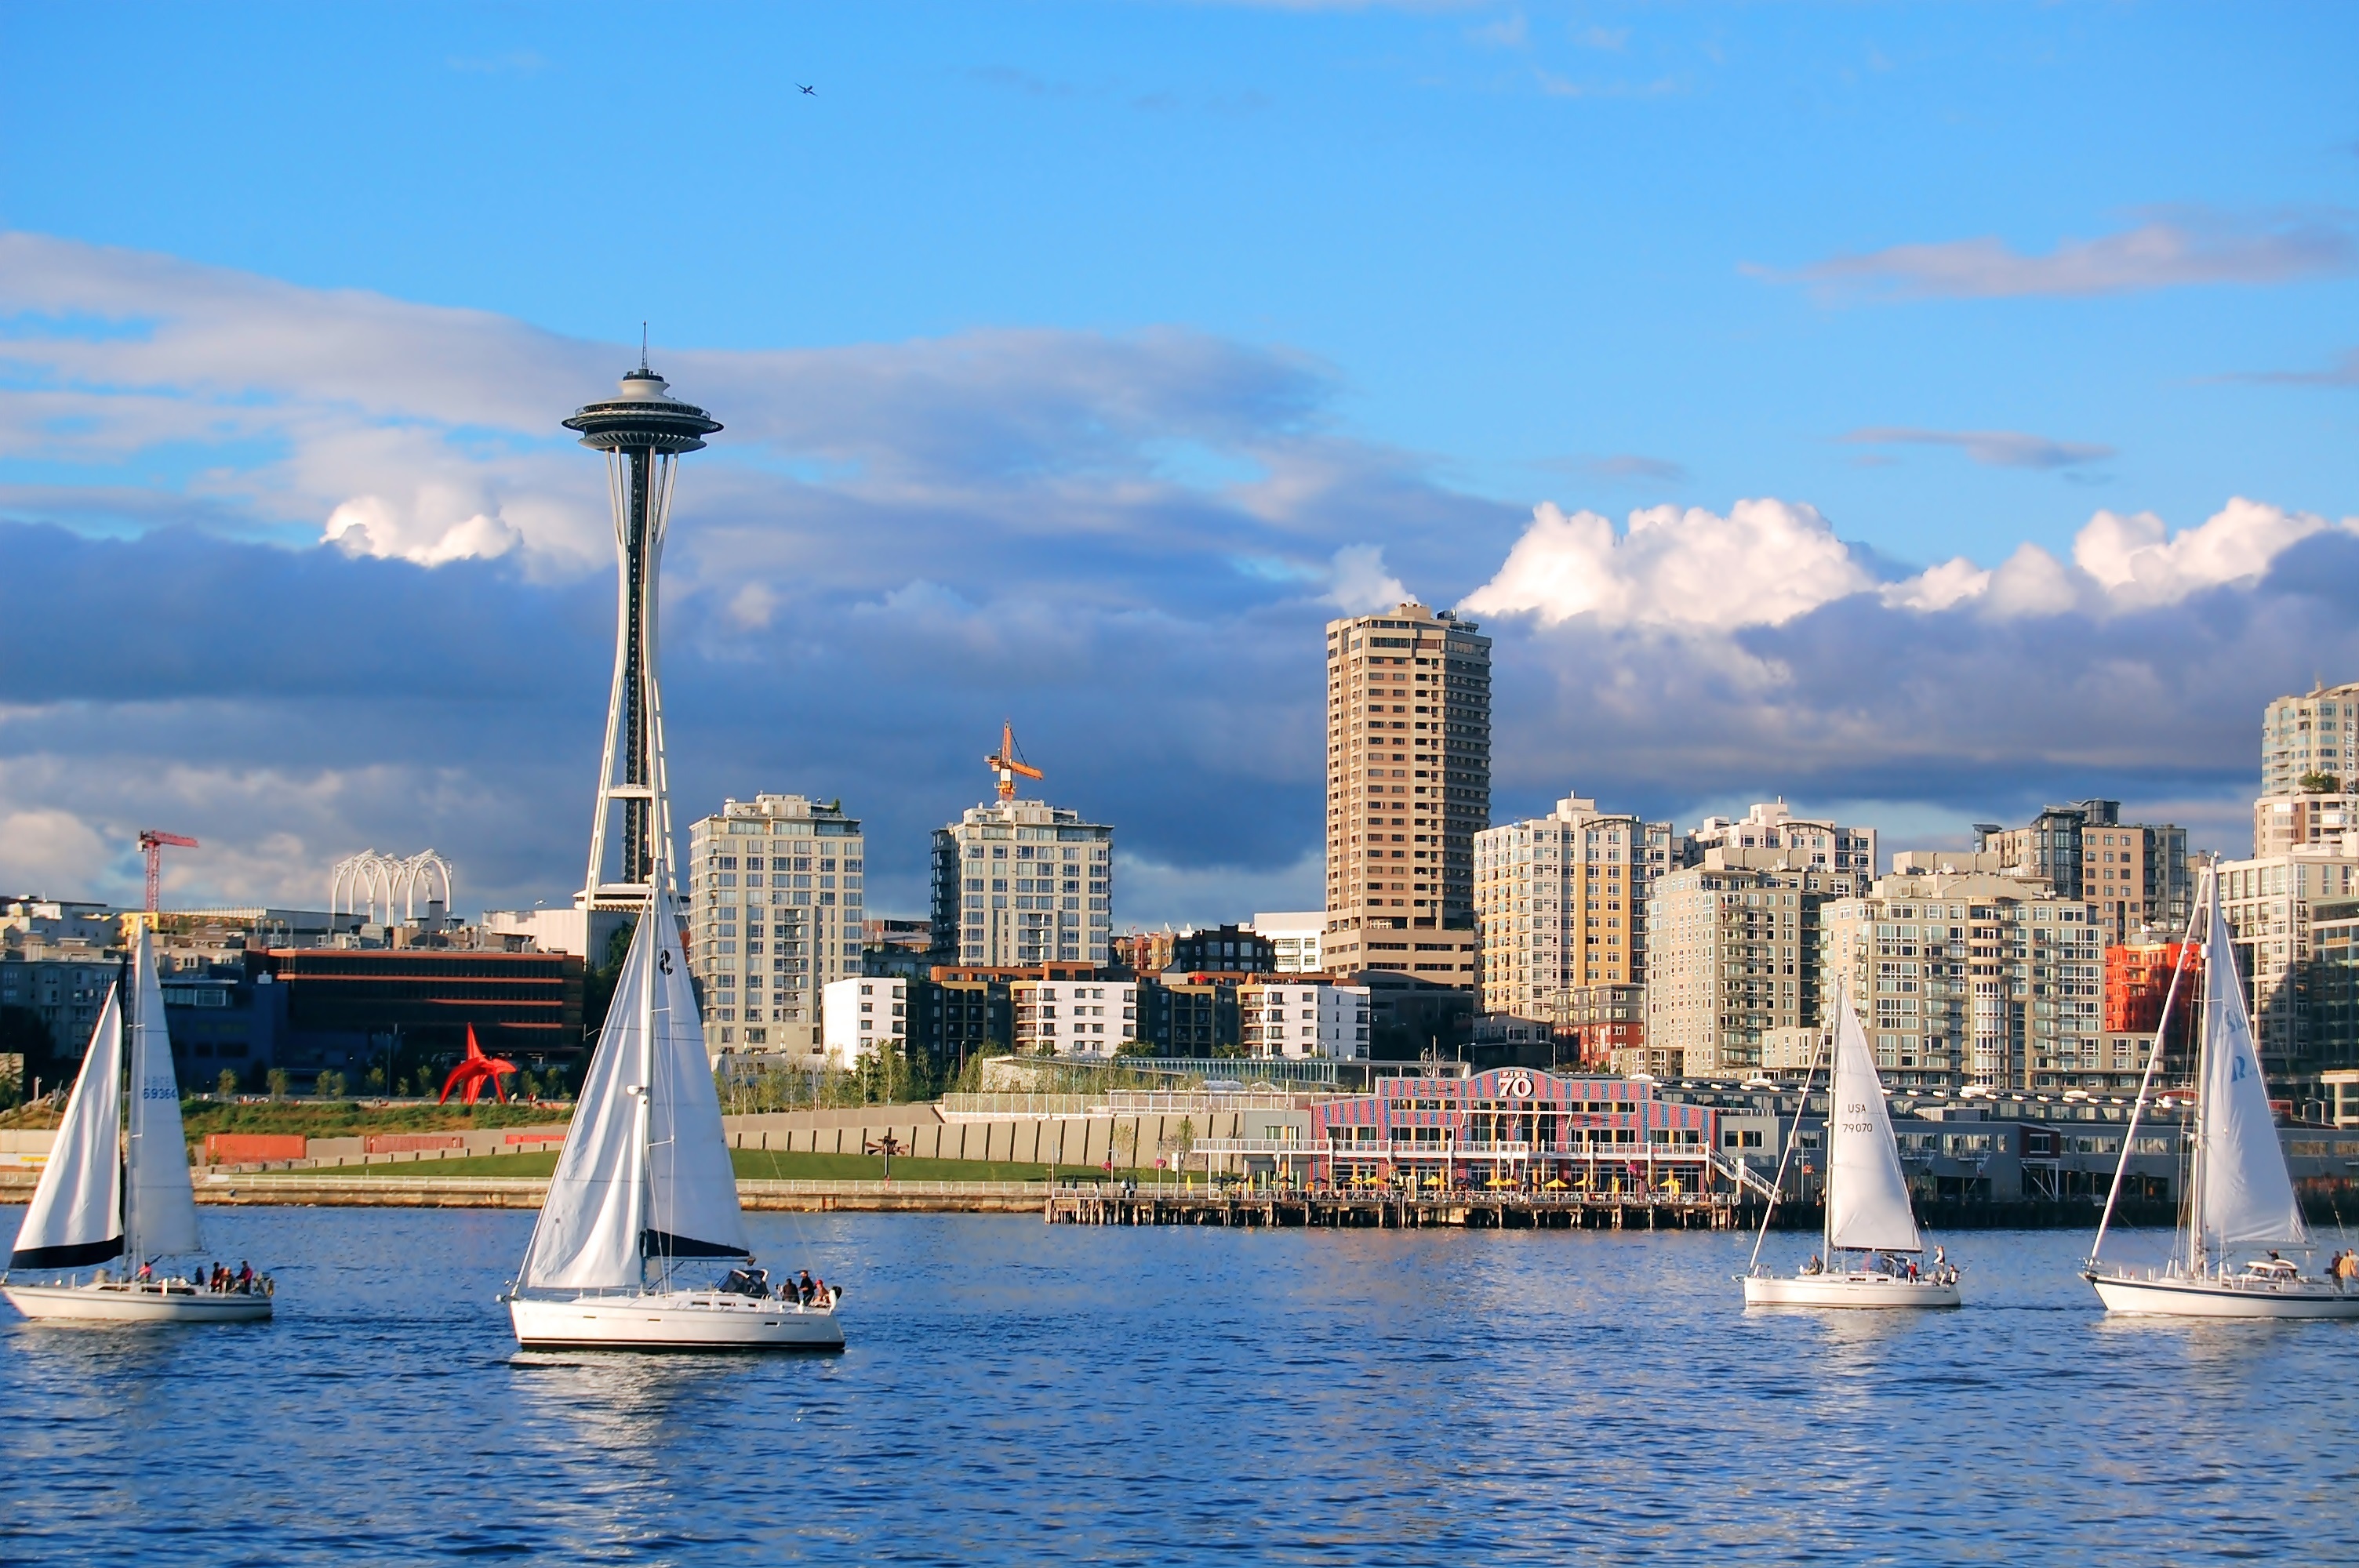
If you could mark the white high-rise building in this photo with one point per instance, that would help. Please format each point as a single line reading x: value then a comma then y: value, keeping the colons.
x: 1973, y: 979
x: 775, y: 911
x: 1294, y: 940
x: 1293, y: 1018
x: 1733, y: 949
x: 1019, y: 883
x: 1073, y: 1018
x: 2314, y: 737
x: 1813, y: 843
x: 862, y: 1014
x: 1561, y: 899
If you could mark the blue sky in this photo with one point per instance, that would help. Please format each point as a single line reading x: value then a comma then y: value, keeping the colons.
x: 1056, y: 341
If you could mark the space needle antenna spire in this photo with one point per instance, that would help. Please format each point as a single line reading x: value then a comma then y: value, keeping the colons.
x: 643, y: 431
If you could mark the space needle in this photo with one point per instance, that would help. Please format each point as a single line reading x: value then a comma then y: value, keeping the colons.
x: 643, y: 432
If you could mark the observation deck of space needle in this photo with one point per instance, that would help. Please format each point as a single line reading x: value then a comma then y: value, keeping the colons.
x: 643, y: 432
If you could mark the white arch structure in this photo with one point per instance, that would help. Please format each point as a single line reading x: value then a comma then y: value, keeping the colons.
x: 371, y: 883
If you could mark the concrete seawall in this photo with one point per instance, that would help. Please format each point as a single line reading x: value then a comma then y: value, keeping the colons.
x: 330, y: 1189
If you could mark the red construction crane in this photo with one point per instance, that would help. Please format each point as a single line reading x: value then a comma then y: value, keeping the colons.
x: 1005, y: 763
x: 153, y: 840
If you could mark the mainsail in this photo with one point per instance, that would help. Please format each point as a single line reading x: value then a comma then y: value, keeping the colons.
x: 76, y: 1216
x: 629, y: 1186
x: 161, y: 1213
x: 2246, y: 1197
x: 1867, y: 1196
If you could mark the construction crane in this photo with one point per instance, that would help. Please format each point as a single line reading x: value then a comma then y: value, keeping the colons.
x: 1005, y: 764
x: 152, y: 840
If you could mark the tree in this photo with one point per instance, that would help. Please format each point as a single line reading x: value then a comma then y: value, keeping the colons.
x: 226, y: 1085
x: 598, y: 983
x: 2318, y: 784
x: 279, y: 1083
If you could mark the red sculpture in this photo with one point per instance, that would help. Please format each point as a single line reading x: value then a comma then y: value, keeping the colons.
x: 475, y: 1070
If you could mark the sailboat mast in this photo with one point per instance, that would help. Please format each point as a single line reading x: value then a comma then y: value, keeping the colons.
x: 1827, y: 1135
x: 2146, y: 1084
x: 642, y: 1177
x: 134, y: 1062
x: 2198, y: 1250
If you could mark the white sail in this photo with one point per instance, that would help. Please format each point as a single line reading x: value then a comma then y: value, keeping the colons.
x: 623, y: 1185
x: 2246, y: 1197
x: 1867, y: 1196
x: 160, y: 1212
x: 76, y: 1217
x: 692, y: 1187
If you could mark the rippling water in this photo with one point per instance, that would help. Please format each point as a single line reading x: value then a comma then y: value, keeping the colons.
x: 1020, y: 1393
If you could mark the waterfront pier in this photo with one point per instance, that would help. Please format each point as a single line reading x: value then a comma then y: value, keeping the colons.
x: 1160, y: 1205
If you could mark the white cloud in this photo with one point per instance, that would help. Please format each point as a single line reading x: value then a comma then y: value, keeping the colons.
x: 1992, y: 448
x: 1692, y: 570
x: 1939, y: 588
x: 372, y: 526
x: 47, y: 849
x: 2120, y: 564
x: 2137, y: 562
x: 2175, y: 251
x: 1359, y: 585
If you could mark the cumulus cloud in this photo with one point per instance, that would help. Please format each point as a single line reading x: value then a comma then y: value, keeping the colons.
x: 1360, y: 584
x: 2172, y: 250
x: 2138, y: 561
x: 1992, y: 448
x: 1763, y: 563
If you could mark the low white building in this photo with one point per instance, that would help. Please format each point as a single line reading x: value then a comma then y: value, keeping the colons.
x: 1295, y: 1018
x: 857, y: 1014
x: 1294, y: 939
x: 1073, y: 1018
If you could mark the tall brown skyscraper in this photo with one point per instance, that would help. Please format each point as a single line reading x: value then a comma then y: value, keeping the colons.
x: 1408, y: 786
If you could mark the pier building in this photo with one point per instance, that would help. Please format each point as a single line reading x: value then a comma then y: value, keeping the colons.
x: 1510, y: 1128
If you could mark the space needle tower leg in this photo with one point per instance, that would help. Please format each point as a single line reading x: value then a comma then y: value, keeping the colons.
x: 643, y: 433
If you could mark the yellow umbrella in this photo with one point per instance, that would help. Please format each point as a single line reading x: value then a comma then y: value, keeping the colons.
x: 1555, y: 1183
x: 1433, y: 1180
x: 1498, y: 1181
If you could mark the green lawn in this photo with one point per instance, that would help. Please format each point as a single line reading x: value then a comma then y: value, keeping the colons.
x: 753, y: 1163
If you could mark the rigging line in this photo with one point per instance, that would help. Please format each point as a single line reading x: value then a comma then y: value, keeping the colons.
x: 1793, y: 1135
x: 2146, y: 1080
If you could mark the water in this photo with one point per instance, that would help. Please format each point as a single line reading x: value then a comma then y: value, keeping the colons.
x: 1018, y: 1393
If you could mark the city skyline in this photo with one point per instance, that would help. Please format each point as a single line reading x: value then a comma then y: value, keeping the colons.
x: 301, y: 562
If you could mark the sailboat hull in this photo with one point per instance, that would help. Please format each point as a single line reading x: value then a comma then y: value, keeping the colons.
x: 1874, y: 1290
x: 2180, y: 1296
x: 117, y: 1302
x: 679, y: 1320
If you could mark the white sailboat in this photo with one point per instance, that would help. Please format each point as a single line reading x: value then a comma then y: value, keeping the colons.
x: 2240, y: 1208
x: 1871, y: 1227
x: 104, y: 1195
x: 645, y: 1189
